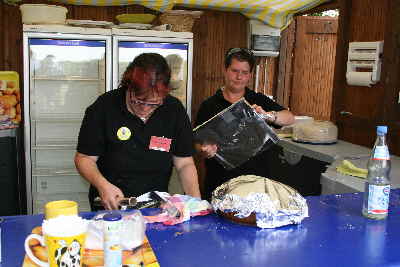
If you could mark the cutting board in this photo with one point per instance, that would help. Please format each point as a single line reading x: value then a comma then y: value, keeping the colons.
x: 139, y: 257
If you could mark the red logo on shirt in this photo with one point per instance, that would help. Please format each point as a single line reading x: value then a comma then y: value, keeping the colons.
x: 160, y: 143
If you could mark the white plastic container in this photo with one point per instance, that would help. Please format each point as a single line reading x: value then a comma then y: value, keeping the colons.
x: 112, y: 239
x: 43, y: 14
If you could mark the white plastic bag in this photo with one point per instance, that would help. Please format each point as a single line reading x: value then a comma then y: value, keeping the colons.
x: 239, y: 132
x: 132, y: 235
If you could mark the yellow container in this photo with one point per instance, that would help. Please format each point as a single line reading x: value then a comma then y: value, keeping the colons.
x: 135, y: 18
x: 60, y: 207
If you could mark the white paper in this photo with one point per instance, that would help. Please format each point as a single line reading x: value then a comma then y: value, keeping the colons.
x: 359, y: 78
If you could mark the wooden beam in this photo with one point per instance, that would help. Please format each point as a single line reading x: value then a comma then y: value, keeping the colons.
x: 285, y: 74
x: 334, y: 4
x: 339, y: 81
x: 391, y: 62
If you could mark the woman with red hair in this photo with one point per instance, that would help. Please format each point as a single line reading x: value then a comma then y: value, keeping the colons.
x: 131, y: 137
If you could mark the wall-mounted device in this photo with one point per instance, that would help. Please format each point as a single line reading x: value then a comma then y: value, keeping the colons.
x: 364, y: 63
x: 263, y: 40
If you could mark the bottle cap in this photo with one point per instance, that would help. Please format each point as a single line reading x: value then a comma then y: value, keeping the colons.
x: 381, y: 129
x: 112, y: 216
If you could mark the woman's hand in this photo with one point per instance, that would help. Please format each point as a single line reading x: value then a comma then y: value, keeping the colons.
x: 110, y: 196
x: 270, y: 116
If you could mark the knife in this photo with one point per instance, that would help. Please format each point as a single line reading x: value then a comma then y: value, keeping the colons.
x: 166, y: 205
x: 124, y: 203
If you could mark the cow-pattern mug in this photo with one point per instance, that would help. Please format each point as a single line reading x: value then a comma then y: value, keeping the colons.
x: 61, y: 250
x: 63, y: 238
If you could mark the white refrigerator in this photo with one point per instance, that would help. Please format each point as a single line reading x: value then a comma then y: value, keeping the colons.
x: 65, y: 69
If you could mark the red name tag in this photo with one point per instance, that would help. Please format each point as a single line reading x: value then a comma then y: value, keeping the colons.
x: 160, y: 143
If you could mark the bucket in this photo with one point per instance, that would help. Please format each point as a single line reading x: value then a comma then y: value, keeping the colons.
x: 43, y: 14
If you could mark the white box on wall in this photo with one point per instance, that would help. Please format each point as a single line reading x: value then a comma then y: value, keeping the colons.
x: 263, y: 40
x: 367, y: 57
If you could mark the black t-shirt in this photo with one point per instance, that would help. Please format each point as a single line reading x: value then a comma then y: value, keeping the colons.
x: 216, y: 174
x: 121, y: 141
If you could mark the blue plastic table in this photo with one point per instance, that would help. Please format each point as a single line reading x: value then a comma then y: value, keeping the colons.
x: 335, y: 234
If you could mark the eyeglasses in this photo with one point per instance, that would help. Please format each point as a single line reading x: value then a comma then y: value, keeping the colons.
x: 138, y: 102
x: 239, y: 50
x: 143, y: 103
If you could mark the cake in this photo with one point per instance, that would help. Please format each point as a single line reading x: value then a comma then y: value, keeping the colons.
x: 259, y: 201
x: 316, y: 132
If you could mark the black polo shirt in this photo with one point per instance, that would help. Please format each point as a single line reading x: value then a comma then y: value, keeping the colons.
x: 216, y: 174
x: 121, y: 141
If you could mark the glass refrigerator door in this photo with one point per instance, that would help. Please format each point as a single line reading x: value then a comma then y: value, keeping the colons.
x: 176, y: 52
x: 65, y: 77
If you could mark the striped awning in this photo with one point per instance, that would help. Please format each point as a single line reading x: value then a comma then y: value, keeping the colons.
x: 276, y: 13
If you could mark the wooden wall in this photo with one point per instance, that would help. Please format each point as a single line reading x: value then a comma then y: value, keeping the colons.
x: 214, y: 33
x: 313, y: 66
x: 359, y: 109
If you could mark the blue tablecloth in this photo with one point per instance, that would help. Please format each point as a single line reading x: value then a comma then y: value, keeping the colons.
x: 335, y: 234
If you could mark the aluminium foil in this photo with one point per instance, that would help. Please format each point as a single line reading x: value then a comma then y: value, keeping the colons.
x: 274, y: 204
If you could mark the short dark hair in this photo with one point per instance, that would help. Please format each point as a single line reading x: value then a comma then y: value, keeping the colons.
x: 147, y: 61
x: 240, y: 54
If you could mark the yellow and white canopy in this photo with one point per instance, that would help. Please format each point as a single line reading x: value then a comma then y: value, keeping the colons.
x: 276, y: 13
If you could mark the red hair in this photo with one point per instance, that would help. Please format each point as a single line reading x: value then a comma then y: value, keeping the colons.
x: 147, y: 74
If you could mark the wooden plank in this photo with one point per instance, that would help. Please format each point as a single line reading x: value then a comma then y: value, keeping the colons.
x: 273, y: 71
x: 322, y: 25
x: 284, y: 76
x: 378, y: 104
x: 393, y: 137
x: 267, y: 75
x: 313, y: 70
x: 333, y: 4
x: 391, y: 61
x: 341, y: 58
x: 391, y: 77
x: 214, y: 33
x: 361, y: 101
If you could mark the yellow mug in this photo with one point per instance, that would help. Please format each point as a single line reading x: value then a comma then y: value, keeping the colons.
x: 61, y: 250
x: 63, y: 238
x: 56, y: 208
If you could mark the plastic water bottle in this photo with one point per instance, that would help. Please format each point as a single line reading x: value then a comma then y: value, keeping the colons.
x: 377, y: 186
x: 112, y: 239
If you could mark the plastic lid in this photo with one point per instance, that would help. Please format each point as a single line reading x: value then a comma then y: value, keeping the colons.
x: 112, y: 216
x: 381, y: 129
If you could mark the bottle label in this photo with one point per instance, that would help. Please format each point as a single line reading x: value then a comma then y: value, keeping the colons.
x: 112, y: 254
x: 381, y: 153
x: 112, y: 246
x: 378, y: 199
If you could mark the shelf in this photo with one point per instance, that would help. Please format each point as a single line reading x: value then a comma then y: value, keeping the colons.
x: 40, y: 200
x: 56, y: 146
x: 54, y: 172
x: 59, y: 120
x: 53, y: 157
x: 260, y: 53
x: 57, y: 117
x: 72, y: 78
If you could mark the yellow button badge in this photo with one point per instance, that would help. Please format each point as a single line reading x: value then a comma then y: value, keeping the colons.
x: 124, y: 133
